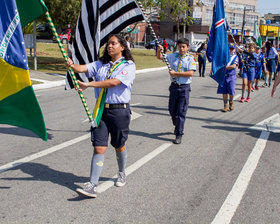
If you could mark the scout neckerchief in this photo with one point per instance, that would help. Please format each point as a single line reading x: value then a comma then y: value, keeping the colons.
x: 100, y: 103
x: 180, y: 64
x: 114, y: 67
x: 232, y: 59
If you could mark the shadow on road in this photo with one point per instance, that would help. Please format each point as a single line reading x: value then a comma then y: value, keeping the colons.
x: 40, y: 172
x: 21, y: 132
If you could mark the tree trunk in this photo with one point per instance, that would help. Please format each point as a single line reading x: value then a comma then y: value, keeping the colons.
x: 178, y: 28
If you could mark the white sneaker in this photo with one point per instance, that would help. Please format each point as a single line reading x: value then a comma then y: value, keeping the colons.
x: 121, y: 180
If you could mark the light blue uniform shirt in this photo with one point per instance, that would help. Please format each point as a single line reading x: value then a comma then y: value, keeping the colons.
x: 271, y: 54
x: 187, y: 65
x: 124, y: 72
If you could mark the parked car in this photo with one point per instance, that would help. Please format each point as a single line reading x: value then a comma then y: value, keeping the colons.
x: 44, y: 31
x: 171, y: 44
x: 195, y: 45
x: 64, y: 36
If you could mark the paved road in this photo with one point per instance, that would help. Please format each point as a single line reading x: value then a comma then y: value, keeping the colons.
x: 167, y: 183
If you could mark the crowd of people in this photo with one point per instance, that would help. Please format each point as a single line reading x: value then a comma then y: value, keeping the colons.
x: 254, y: 64
x: 115, y: 72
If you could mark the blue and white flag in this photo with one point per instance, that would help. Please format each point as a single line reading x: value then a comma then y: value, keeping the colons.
x: 217, y: 49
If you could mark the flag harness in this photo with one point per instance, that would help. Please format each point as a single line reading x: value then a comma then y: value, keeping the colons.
x: 100, y: 103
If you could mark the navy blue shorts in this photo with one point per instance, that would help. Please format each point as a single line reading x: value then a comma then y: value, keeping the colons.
x: 228, y: 86
x: 249, y: 73
x: 114, y: 122
x: 258, y: 73
x: 271, y: 65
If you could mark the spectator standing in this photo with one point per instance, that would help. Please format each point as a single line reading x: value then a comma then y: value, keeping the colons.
x: 201, y: 52
x: 165, y: 46
x: 127, y: 38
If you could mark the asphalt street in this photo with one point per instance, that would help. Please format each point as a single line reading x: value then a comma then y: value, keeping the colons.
x: 223, y: 172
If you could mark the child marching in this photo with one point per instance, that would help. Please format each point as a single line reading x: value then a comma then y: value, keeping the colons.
x: 270, y: 55
x: 228, y: 88
x: 249, y: 64
x: 260, y: 66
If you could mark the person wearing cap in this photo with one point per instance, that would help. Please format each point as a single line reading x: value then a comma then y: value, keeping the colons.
x: 228, y: 88
x: 114, y: 71
x: 260, y: 65
x: 249, y: 64
x: 183, y: 67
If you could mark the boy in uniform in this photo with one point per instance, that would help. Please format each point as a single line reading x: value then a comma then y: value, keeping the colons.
x: 183, y: 67
x: 228, y: 87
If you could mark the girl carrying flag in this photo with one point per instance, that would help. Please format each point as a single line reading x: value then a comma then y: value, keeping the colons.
x: 115, y: 71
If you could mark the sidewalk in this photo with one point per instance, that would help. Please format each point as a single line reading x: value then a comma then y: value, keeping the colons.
x: 54, y: 80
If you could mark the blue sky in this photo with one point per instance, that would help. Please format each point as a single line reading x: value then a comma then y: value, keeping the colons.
x: 266, y: 6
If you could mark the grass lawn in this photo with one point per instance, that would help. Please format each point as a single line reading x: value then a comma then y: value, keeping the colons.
x: 50, y: 59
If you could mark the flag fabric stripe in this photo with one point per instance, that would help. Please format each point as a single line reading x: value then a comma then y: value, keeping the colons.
x: 116, y: 15
x: 11, y: 84
x: 29, y: 10
x: 119, y: 28
x: 106, y: 5
x: 22, y: 110
x: 18, y: 104
x: 99, y: 19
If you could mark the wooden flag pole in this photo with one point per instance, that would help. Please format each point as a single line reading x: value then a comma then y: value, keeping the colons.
x: 153, y: 33
x: 70, y: 69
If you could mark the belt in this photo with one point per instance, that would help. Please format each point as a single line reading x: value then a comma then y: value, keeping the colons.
x: 116, y: 106
x: 178, y: 84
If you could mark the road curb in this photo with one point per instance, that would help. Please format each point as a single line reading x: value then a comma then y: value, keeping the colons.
x: 52, y: 84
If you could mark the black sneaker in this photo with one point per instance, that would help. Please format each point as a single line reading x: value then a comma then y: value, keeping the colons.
x: 88, y: 190
x: 177, y: 140
x: 121, y: 181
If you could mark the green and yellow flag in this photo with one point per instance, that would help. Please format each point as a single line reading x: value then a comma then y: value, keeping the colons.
x: 18, y: 103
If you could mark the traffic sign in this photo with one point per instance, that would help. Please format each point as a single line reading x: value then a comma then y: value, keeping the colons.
x: 133, y: 30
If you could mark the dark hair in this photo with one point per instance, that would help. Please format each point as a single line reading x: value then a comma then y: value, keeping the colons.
x: 106, y: 58
x: 183, y: 41
x: 268, y: 45
x: 201, y: 47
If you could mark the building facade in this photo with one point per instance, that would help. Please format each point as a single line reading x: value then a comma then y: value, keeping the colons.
x: 240, y: 15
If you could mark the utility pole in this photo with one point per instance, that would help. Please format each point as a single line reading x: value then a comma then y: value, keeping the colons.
x: 243, y: 24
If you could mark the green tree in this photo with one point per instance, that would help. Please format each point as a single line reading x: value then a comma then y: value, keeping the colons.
x: 178, y: 11
x: 64, y: 12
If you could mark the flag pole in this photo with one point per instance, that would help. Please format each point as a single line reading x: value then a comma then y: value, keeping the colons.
x: 70, y: 69
x: 154, y: 34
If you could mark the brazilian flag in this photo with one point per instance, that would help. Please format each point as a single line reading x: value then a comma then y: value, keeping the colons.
x: 18, y: 103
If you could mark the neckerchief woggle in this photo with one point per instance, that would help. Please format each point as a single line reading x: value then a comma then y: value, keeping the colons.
x: 100, y: 103
x: 180, y: 65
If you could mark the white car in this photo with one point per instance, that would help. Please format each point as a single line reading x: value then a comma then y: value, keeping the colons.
x: 195, y: 45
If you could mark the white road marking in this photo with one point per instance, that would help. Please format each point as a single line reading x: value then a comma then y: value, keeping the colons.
x: 52, y: 149
x: 135, y: 104
x: 134, y: 116
x: 109, y: 183
x: 236, y: 96
x: 232, y: 201
x: 271, y: 124
x: 43, y: 153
